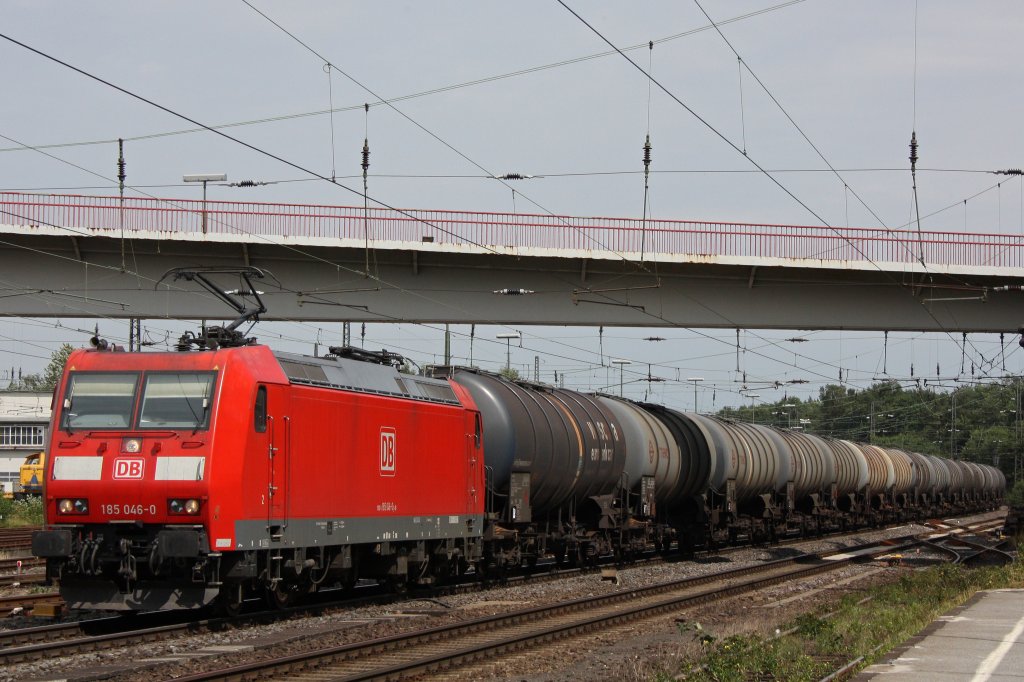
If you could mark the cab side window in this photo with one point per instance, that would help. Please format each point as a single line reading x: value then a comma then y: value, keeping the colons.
x: 260, y: 410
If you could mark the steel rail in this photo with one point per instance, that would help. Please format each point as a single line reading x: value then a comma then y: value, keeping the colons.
x: 361, y: 661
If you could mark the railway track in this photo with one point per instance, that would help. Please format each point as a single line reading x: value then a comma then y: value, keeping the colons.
x: 440, y: 648
x: 26, y: 602
x: 11, y: 563
x: 16, y: 538
x: 22, y: 579
x: 18, y: 646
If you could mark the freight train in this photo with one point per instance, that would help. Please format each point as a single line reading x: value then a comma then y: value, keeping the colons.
x: 225, y: 470
x: 181, y: 479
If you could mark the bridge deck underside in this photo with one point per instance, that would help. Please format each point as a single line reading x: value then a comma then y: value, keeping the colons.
x: 100, y: 276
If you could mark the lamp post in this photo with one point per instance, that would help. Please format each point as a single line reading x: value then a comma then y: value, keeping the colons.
x: 621, y: 364
x: 753, y: 397
x: 508, y: 348
x: 205, y: 178
x: 695, y: 381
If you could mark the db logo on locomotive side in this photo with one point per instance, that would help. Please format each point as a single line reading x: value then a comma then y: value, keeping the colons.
x: 131, y: 469
x: 387, y: 451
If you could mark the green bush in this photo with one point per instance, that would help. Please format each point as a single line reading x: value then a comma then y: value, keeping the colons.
x: 15, y: 513
x: 854, y: 627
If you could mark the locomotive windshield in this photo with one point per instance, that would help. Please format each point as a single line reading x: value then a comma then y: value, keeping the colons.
x: 98, y: 400
x: 169, y: 400
x: 179, y: 400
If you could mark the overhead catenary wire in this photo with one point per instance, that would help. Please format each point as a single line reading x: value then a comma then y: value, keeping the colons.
x: 236, y: 140
x: 705, y: 335
x: 391, y: 105
x: 743, y: 64
x: 383, y: 316
x: 913, y: 158
x: 731, y: 144
x: 424, y: 93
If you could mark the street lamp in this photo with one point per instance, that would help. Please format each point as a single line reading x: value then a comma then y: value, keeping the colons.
x: 205, y: 178
x: 508, y: 347
x: 621, y: 364
x: 695, y: 380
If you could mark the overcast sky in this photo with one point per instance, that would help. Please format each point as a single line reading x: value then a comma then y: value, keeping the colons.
x: 575, y: 116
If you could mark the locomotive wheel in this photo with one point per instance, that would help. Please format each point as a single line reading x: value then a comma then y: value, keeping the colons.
x: 229, y: 605
x: 279, y: 596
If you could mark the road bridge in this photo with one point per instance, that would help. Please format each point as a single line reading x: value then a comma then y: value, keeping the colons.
x: 84, y: 256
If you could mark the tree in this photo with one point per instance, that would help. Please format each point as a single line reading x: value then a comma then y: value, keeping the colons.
x: 48, y: 380
x: 1016, y: 496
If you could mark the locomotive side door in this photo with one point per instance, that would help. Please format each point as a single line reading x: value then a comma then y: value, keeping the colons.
x: 474, y: 463
x: 278, y: 459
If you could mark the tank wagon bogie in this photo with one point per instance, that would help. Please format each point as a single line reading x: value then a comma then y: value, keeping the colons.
x: 181, y: 479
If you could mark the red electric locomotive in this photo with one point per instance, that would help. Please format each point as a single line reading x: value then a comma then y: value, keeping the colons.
x: 180, y: 478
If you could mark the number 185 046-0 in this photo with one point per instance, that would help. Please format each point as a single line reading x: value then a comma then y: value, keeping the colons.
x: 127, y: 509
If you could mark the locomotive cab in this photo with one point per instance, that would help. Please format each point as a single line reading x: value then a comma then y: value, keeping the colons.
x: 126, y: 492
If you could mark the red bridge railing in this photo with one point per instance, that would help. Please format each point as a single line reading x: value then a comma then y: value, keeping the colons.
x: 518, y: 231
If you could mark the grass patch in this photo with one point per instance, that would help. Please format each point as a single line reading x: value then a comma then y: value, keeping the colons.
x: 822, y: 643
x: 19, y: 513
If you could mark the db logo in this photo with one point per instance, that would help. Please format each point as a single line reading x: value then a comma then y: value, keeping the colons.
x: 129, y: 468
x: 387, y: 451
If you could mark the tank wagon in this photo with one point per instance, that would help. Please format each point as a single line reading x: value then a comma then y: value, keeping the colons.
x: 181, y: 479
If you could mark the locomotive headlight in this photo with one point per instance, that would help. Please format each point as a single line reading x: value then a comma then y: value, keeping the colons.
x: 177, y: 506
x: 73, y: 506
x: 132, y: 445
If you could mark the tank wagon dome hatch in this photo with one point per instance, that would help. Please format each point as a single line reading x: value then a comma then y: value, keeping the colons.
x: 364, y: 371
